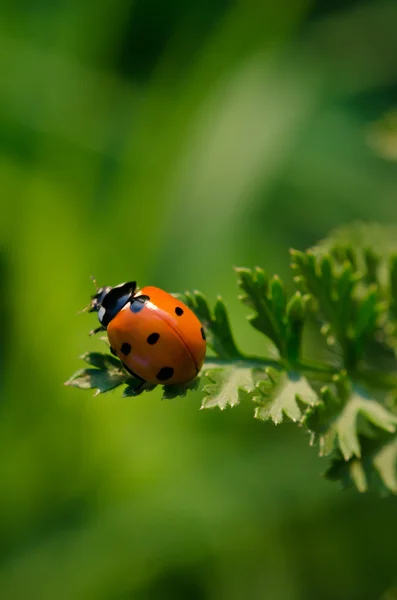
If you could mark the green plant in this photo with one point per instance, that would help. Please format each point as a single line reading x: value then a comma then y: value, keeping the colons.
x: 343, y: 313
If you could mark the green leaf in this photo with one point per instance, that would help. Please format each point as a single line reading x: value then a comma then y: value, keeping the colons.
x: 280, y: 320
x: 382, y: 136
x: 106, y: 375
x: 372, y: 262
x: 226, y: 384
x: 376, y: 469
x: 296, y: 315
x: 391, y: 326
x: 348, y: 473
x: 354, y: 238
x: 102, y: 361
x: 351, y: 319
x: 331, y: 291
x: 216, y: 324
x: 390, y: 593
x: 385, y: 463
x: 393, y: 285
x: 346, y: 411
x: 357, y: 474
x: 173, y: 391
x: 367, y: 246
x: 281, y: 395
x: 267, y: 299
x: 136, y: 388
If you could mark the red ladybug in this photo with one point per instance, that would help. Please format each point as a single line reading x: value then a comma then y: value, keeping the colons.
x: 157, y: 337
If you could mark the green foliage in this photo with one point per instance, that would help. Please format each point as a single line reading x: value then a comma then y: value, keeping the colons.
x: 281, y: 320
x: 108, y: 373
x: 105, y: 375
x: 382, y: 136
x: 216, y: 323
x: 336, y: 419
x: 227, y: 383
x: 350, y: 292
x: 283, y: 394
x: 348, y: 319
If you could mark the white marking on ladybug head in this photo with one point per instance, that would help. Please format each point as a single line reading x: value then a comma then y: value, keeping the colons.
x: 101, y: 313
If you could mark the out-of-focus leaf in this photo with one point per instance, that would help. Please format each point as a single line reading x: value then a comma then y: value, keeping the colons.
x: 345, y: 413
x: 350, y: 319
x: 382, y: 136
x: 375, y: 470
x: 391, y: 325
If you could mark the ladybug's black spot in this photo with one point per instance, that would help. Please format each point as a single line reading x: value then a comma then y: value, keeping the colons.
x: 165, y: 373
x: 113, y: 351
x: 125, y: 348
x: 153, y: 338
x: 138, y: 302
x: 179, y: 311
x: 203, y: 333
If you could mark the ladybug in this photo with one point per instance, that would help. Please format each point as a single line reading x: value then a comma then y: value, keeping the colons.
x: 157, y: 337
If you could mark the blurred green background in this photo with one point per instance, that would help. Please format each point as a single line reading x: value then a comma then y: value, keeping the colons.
x: 166, y: 141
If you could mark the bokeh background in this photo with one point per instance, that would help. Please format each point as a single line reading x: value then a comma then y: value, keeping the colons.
x: 166, y: 141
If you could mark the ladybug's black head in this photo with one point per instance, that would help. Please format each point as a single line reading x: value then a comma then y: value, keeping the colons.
x: 97, y: 299
x: 108, y: 301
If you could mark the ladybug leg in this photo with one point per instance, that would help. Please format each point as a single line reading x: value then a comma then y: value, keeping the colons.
x: 140, y: 386
x: 97, y: 330
x: 140, y: 379
x: 132, y: 373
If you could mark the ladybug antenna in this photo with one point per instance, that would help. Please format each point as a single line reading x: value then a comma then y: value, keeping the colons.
x: 84, y: 309
x: 89, y: 305
x: 94, y: 282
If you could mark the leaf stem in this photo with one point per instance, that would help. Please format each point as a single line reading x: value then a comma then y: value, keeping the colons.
x: 384, y: 380
x: 281, y: 364
x: 250, y: 361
